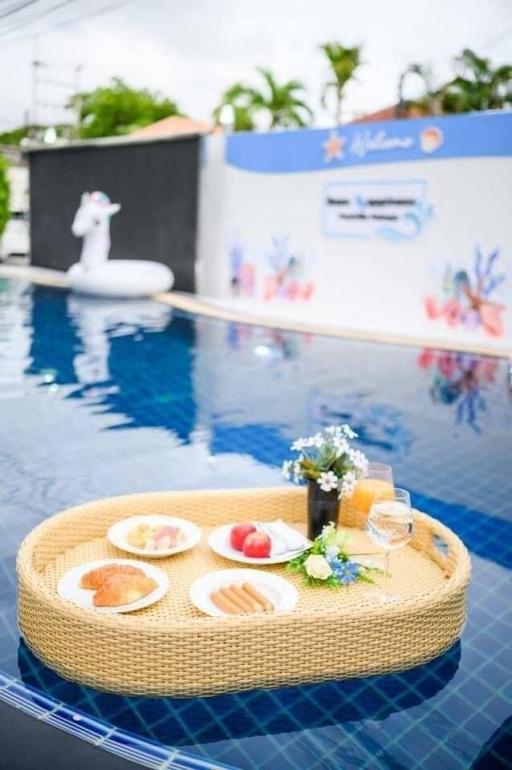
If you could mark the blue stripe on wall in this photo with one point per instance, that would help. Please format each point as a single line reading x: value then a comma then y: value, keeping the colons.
x: 460, y: 136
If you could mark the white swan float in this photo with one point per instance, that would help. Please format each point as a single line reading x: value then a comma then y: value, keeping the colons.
x: 95, y: 274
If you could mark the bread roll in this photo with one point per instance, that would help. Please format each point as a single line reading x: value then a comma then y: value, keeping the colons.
x: 96, y: 577
x: 123, y: 589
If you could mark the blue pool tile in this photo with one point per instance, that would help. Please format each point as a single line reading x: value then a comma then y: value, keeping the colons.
x: 183, y: 761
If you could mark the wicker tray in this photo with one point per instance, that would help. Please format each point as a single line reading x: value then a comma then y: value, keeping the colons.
x: 171, y: 649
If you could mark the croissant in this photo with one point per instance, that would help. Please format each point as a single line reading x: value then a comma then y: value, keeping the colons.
x: 123, y: 589
x: 96, y: 577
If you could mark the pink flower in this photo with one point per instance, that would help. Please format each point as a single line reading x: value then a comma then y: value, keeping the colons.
x: 432, y: 307
x: 452, y: 312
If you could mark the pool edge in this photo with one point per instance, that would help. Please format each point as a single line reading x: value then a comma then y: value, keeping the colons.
x: 204, y: 306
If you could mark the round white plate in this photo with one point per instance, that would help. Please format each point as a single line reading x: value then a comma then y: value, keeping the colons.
x: 118, y: 532
x: 279, y: 591
x: 69, y: 585
x: 220, y: 543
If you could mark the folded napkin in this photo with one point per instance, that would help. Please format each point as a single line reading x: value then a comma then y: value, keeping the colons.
x: 284, y: 538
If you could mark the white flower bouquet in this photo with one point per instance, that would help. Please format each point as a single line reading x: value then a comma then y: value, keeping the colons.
x: 328, y: 460
x: 327, y: 562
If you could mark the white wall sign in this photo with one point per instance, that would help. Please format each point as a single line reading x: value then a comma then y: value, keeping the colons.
x: 391, y: 209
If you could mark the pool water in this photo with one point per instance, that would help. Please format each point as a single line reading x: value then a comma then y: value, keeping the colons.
x: 100, y: 398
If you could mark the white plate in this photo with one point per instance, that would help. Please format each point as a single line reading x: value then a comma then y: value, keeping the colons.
x: 279, y: 591
x: 118, y: 532
x: 69, y: 585
x: 219, y: 541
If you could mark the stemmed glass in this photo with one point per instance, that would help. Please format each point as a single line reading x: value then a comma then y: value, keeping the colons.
x: 390, y: 521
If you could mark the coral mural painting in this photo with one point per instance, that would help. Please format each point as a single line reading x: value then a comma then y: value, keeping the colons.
x: 243, y: 277
x: 468, y: 297
x: 287, y: 279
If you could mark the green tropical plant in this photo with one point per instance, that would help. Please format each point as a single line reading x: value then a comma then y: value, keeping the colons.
x: 4, y: 195
x: 15, y: 135
x: 428, y: 103
x: 343, y: 63
x: 119, y: 109
x: 240, y: 98
x: 281, y: 103
x: 477, y: 85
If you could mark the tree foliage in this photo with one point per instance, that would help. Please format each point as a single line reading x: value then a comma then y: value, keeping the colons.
x: 427, y: 103
x: 476, y: 86
x: 118, y: 109
x: 281, y: 104
x: 343, y: 63
x: 14, y: 136
x: 4, y: 195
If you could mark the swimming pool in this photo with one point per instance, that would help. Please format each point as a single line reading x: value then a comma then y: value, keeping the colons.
x: 100, y: 398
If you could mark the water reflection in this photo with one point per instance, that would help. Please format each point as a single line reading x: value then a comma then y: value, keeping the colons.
x: 460, y: 380
x: 98, y: 320
x: 130, y: 357
x: 15, y: 337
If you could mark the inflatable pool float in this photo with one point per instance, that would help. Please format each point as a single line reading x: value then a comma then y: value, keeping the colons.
x: 121, y: 278
x: 95, y: 274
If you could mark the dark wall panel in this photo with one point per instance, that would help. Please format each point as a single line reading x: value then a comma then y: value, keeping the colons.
x: 155, y: 183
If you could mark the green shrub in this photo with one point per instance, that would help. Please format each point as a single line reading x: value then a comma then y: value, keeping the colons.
x: 4, y: 195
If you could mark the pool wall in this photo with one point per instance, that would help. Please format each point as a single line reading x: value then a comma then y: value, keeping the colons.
x: 400, y: 227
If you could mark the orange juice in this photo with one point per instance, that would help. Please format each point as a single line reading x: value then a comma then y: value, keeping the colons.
x: 365, y: 492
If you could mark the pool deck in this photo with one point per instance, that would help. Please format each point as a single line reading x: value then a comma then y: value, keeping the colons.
x: 206, y: 306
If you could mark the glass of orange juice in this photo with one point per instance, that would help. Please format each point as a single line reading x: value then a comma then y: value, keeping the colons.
x: 378, y: 481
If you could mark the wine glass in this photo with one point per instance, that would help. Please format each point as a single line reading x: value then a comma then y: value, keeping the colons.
x: 390, y: 521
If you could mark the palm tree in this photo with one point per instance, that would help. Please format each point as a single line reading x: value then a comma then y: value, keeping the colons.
x: 281, y: 103
x: 239, y: 98
x: 427, y: 104
x: 343, y: 63
x: 477, y: 85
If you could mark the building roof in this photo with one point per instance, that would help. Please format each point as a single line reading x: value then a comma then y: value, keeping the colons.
x: 388, y: 113
x: 174, y: 125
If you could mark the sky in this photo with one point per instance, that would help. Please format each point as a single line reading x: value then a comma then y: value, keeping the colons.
x: 191, y: 50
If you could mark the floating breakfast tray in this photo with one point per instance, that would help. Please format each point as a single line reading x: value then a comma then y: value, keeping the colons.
x: 170, y: 648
